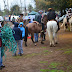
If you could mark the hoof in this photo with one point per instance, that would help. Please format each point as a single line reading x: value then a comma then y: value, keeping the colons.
x: 25, y: 45
x: 56, y: 43
x: 51, y: 45
x: 42, y: 42
x: 35, y: 44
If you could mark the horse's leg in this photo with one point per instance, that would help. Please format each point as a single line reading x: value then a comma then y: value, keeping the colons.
x: 55, y: 38
x: 70, y: 27
x: 42, y: 33
x: 32, y: 35
x: 56, y: 42
x: 50, y: 37
x: 26, y: 35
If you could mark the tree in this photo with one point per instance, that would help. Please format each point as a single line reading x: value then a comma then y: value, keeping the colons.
x: 55, y: 4
x: 1, y: 13
x: 30, y: 8
x: 15, y: 10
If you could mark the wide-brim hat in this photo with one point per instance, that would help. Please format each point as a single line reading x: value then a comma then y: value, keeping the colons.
x: 50, y: 9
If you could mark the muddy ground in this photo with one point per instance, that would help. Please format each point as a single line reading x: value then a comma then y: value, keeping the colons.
x: 42, y: 58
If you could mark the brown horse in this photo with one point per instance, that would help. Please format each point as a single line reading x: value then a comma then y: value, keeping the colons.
x: 35, y: 27
x: 32, y: 28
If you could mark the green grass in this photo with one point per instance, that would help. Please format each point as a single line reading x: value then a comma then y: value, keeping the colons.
x: 53, y: 65
x: 44, y: 47
x: 43, y: 61
x: 47, y: 70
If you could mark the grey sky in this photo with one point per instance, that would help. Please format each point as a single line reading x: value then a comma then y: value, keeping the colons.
x: 13, y: 2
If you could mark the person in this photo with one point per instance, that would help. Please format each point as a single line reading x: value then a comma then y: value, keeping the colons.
x: 9, y: 17
x: 18, y: 37
x: 44, y: 22
x: 38, y: 19
x: 20, y: 18
x: 52, y: 15
x: 1, y: 62
x: 13, y: 20
x: 30, y: 21
x: 23, y: 34
x: 7, y: 41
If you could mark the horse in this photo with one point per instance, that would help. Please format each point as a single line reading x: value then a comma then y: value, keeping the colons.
x: 52, y: 32
x: 32, y: 28
x: 66, y: 24
x: 35, y: 27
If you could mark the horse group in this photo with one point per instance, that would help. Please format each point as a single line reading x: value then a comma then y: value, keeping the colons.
x: 35, y: 27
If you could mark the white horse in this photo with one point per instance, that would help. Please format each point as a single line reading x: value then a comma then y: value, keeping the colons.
x: 70, y: 22
x: 52, y: 32
x: 65, y: 23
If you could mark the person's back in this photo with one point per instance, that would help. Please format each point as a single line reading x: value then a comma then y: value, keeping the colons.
x: 38, y: 17
x: 18, y: 33
x: 51, y: 15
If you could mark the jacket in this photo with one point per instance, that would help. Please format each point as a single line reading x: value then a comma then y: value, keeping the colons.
x: 18, y: 32
x: 38, y: 17
x: 0, y: 39
x: 51, y: 15
x: 22, y: 29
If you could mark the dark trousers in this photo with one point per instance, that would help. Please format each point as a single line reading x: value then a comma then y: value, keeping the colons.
x: 26, y: 34
x: 58, y: 25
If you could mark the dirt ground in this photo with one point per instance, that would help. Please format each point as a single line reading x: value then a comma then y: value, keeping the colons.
x: 42, y: 58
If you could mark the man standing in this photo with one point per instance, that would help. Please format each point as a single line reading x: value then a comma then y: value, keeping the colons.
x: 38, y: 19
x: 18, y: 37
x: 1, y: 65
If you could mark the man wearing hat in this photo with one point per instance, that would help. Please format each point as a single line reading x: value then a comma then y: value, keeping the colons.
x: 52, y: 15
x: 38, y: 19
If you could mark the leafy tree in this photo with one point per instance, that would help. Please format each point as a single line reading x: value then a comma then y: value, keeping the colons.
x: 56, y: 4
x: 30, y: 8
x: 1, y: 13
x: 15, y: 10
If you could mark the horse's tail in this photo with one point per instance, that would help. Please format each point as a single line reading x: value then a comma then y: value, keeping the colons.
x: 51, y: 33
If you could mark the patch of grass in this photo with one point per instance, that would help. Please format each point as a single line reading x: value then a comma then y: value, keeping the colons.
x: 28, y: 55
x: 33, y: 54
x: 47, y: 70
x: 43, y: 47
x: 43, y: 61
x: 45, y: 51
x: 44, y: 70
x: 69, y: 68
x: 67, y: 52
x: 53, y: 65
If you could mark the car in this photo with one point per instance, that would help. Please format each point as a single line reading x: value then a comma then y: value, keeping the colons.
x: 1, y: 18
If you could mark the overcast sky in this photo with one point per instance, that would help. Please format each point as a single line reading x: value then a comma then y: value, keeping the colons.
x: 13, y: 2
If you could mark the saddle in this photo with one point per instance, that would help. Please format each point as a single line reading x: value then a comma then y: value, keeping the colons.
x: 36, y: 22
